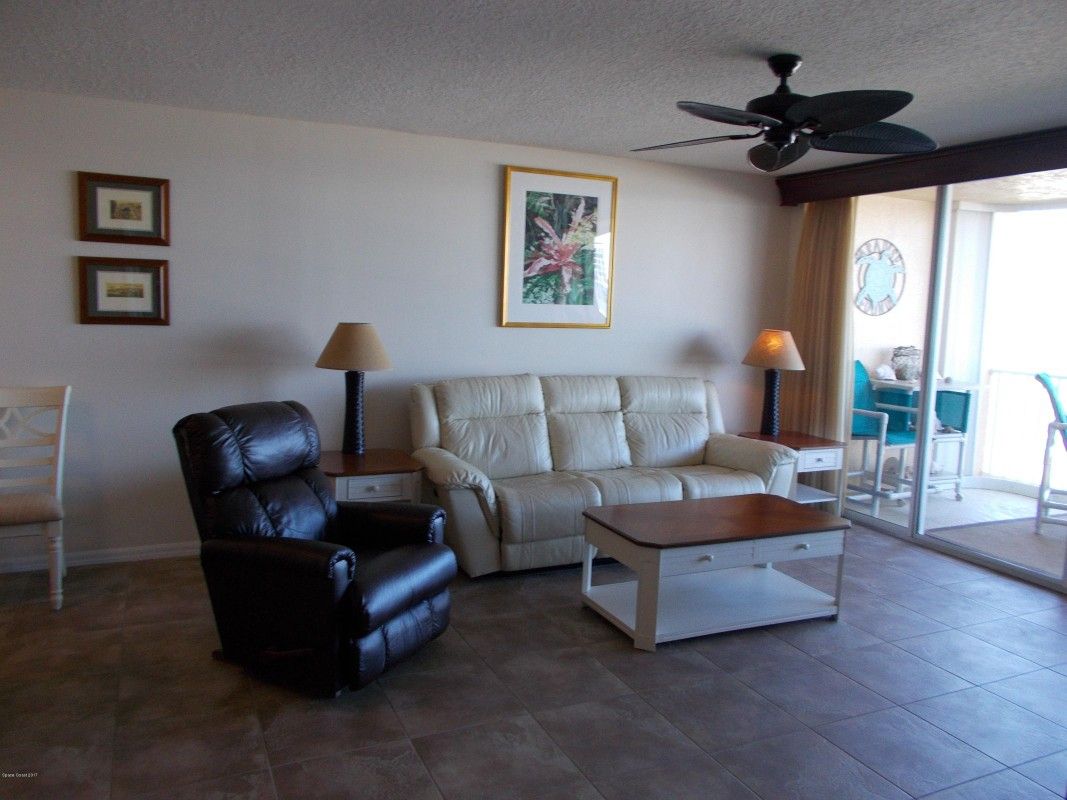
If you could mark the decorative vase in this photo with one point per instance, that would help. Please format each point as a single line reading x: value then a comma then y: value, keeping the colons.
x: 907, y: 363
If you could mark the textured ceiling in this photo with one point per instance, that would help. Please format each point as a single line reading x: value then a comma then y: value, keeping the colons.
x: 600, y: 76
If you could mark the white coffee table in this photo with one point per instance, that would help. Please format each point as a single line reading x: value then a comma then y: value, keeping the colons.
x: 706, y: 566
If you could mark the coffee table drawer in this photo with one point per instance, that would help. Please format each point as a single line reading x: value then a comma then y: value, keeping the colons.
x: 805, y: 545
x: 704, y: 559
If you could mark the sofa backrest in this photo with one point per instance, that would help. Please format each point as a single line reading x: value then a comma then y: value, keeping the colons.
x: 666, y: 420
x: 521, y: 424
x: 585, y: 425
x: 497, y: 424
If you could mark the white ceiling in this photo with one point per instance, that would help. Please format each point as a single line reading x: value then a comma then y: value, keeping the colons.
x: 599, y: 76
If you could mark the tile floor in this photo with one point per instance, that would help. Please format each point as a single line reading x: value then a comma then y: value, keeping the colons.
x: 941, y: 680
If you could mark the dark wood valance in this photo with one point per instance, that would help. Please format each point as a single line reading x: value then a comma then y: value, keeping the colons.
x: 991, y: 158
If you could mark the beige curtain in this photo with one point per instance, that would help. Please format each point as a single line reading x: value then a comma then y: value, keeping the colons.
x: 818, y: 400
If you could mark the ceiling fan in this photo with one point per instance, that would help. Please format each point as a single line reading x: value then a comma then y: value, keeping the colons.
x: 790, y: 124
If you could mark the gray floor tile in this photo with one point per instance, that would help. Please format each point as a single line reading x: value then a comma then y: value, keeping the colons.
x: 384, y: 770
x: 1006, y: 785
x: 702, y: 779
x: 1055, y: 618
x: 615, y: 737
x: 817, y: 636
x: 1050, y: 772
x: 525, y: 632
x: 673, y: 664
x: 1033, y: 642
x: 58, y: 771
x: 915, y: 755
x: 934, y: 567
x: 742, y: 649
x: 804, y: 766
x: 721, y: 712
x: 1037, y: 692
x: 511, y: 757
x: 997, y: 727
x: 893, y: 673
x: 1009, y: 595
x: 948, y: 607
x: 452, y: 699
x: 877, y: 577
x: 970, y: 658
x: 252, y: 786
x: 811, y: 691
x: 557, y: 678
x: 885, y: 619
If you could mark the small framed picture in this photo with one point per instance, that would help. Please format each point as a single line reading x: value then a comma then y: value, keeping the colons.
x: 123, y: 291
x: 559, y: 240
x: 123, y: 208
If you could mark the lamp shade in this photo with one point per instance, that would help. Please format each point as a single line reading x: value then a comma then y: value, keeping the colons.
x: 774, y: 349
x: 354, y: 346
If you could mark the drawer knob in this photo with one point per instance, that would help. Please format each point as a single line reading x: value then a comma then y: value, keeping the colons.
x: 804, y: 546
x: 372, y: 488
x: 706, y: 558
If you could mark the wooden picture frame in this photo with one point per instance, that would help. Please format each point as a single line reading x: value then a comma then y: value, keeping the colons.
x: 123, y: 208
x: 123, y: 291
x: 559, y: 245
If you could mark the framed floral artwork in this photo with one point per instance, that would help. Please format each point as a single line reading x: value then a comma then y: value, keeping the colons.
x: 123, y: 208
x: 559, y: 243
x: 123, y: 291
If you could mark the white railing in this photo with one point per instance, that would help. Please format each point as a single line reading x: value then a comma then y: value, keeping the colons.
x: 1013, y: 426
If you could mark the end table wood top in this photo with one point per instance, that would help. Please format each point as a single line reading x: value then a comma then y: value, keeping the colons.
x: 371, y: 462
x: 794, y: 440
x: 685, y: 523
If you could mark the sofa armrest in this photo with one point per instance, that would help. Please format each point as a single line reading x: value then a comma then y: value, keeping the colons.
x: 774, y: 464
x: 449, y: 471
x: 387, y: 525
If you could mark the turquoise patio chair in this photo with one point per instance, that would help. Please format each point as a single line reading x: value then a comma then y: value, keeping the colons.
x: 1049, y: 499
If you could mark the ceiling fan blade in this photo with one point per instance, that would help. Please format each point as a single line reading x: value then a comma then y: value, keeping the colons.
x: 768, y: 157
x: 879, y: 138
x: 731, y: 116
x: 842, y: 111
x: 707, y: 140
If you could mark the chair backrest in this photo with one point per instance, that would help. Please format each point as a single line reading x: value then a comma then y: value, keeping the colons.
x: 33, y: 428
x: 252, y: 470
x: 863, y: 397
x: 1059, y: 414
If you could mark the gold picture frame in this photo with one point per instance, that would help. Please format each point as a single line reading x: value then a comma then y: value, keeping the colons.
x: 559, y: 249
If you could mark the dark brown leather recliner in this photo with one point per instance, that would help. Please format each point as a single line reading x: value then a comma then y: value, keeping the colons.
x: 305, y: 590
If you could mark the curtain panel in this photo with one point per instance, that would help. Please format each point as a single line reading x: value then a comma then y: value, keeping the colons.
x: 819, y: 399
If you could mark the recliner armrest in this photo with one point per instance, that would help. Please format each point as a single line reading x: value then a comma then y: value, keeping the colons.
x: 449, y: 471
x: 296, y: 557
x: 764, y: 459
x: 388, y: 525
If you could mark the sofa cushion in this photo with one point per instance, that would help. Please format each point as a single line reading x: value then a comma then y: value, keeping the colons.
x: 585, y: 429
x: 635, y: 485
x: 704, y: 480
x: 666, y: 420
x: 545, y: 506
x: 497, y: 424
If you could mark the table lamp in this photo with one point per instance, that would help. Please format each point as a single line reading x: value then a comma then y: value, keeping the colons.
x: 774, y: 350
x: 355, y: 348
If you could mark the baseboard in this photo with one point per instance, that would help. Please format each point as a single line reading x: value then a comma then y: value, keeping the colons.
x: 114, y: 555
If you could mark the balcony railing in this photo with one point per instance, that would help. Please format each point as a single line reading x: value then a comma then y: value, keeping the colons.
x: 1013, y: 426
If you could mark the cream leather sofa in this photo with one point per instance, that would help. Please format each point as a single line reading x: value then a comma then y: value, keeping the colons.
x: 515, y: 459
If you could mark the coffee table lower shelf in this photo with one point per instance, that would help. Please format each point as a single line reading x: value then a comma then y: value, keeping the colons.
x: 703, y: 603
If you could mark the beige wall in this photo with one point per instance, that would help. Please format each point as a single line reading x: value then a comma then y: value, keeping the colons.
x: 909, y: 224
x: 281, y: 229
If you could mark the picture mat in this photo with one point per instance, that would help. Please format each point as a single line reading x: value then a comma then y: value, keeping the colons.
x: 106, y: 195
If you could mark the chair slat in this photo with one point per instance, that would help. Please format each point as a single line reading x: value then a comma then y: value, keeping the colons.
x: 7, y: 483
x: 32, y: 396
x: 17, y: 463
x: 40, y: 441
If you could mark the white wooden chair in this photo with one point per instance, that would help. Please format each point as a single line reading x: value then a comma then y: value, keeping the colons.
x: 32, y: 434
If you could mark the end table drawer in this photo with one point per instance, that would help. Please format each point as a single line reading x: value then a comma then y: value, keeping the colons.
x: 805, y: 545
x: 818, y: 460
x: 371, y: 487
x: 704, y: 559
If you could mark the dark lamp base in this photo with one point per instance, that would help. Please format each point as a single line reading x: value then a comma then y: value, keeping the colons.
x: 353, y: 432
x: 771, y: 423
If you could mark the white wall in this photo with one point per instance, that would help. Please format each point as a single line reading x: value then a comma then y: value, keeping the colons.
x: 909, y: 224
x: 280, y: 229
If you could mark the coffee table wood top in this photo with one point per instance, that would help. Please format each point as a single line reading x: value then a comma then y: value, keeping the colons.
x: 685, y: 523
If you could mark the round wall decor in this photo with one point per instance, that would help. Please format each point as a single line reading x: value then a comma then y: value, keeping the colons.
x: 879, y: 275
